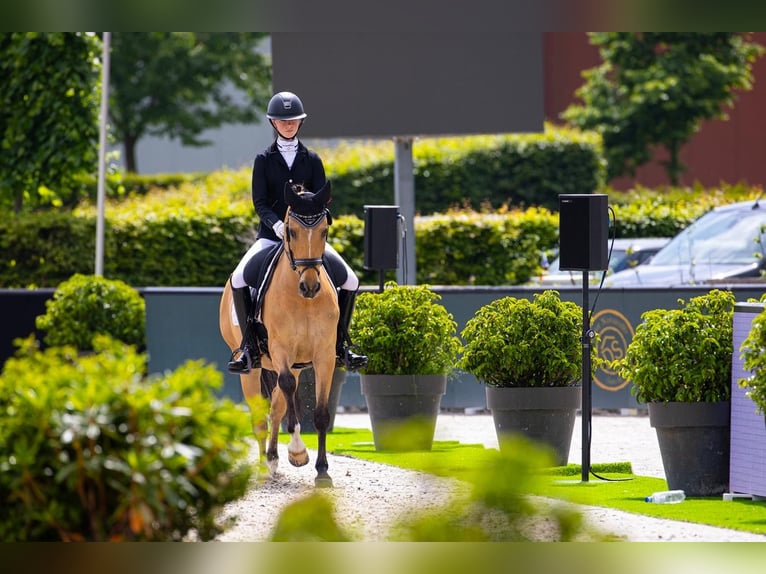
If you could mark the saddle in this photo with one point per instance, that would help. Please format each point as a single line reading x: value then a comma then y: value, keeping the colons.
x: 260, y: 271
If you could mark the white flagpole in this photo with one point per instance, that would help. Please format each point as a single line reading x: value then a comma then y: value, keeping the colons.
x: 102, y: 154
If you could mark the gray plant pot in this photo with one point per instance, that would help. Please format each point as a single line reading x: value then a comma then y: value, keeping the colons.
x: 403, y: 409
x: 694, y: 444
x: 543, y: 414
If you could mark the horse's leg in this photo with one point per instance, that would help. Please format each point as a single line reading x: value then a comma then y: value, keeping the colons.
x: 323, y: 373
x: 296, y: 448
x: 251, y: 389
x: 277, y: 412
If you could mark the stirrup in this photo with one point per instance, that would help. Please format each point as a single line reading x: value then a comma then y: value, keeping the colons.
x: 244, y: 363
x: 350, y: 360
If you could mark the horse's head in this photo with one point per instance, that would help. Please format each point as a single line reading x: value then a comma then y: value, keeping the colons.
x: 306, y: 227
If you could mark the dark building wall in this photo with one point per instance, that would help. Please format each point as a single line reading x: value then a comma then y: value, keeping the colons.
x: 722, y: 151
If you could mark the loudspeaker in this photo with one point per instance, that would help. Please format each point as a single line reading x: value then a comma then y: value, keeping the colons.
x: 583, y: 232
x: 381, y: 237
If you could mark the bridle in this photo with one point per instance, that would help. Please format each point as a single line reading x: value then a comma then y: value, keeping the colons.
x: 307, y: 222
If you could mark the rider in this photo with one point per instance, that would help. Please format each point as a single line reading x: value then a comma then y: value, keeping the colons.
x: 287, y: 159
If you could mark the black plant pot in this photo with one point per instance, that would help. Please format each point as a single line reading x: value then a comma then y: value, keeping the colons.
x: 543, y: 414
x: 403, y: 409
x: 694, y: 444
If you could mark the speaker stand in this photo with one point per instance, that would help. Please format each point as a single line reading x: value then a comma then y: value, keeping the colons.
x: 585, y: 339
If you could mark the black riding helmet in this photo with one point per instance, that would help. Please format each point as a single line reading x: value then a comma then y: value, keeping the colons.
x: 285, y: 106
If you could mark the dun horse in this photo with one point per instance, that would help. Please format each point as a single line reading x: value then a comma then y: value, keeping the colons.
x: 300, y: 313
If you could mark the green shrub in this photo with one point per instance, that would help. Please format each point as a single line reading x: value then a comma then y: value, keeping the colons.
x: 44, y: 249
x: 194, y: 232
x: 515, y: 342
x: 515, y: 169
x: 754, y: 361
x: 120, y: 185
x: 684, y: 354
x: 469, y: 248
x: 85, y: 306
x: 405, y: 331
x: 92, y: 450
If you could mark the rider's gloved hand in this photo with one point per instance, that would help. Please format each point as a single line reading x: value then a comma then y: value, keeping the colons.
x: 279, y: 229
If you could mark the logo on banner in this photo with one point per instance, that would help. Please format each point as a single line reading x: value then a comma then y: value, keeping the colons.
x: 615, y: 333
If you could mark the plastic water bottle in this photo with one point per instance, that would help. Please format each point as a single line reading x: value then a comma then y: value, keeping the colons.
x: 667, y: 497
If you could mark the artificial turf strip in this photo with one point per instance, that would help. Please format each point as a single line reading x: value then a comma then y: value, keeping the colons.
x: 622, y: 490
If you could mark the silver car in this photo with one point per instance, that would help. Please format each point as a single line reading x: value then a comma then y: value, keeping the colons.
x: 724, y: 244
x: 626, y: 254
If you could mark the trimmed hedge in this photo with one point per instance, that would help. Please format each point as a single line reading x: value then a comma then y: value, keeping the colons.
x: 193, y: 237
x: 193, y: 234
x: 467, y: 248
x: 203, y: 251
x: 490, y: 171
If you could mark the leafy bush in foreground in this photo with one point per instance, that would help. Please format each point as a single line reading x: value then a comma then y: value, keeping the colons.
x: 92, y: 450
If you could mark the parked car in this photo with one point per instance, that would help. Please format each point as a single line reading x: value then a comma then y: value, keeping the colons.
x: 724, y: 244
x: 626, y: 254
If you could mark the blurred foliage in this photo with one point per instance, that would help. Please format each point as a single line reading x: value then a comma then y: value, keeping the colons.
x: 492, y: 504
x: 92, y: 450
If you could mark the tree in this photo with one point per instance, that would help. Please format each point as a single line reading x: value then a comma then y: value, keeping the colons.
x: 178, y: 84
x: 49, y: 106
x: 655, y: 89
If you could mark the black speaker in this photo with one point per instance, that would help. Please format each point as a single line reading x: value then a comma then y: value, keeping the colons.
x: 583, y: 232
x: 381, y: 237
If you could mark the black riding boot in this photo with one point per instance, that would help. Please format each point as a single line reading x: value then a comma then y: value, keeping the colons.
x: 345, y: 356
x: 247, y: 356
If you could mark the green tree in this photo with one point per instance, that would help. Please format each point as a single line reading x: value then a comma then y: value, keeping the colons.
x: 49, y: 106
x: 655, y: 89
x: 178, y: 84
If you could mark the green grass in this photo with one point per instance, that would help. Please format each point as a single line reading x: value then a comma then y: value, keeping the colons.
x: 622, y: 491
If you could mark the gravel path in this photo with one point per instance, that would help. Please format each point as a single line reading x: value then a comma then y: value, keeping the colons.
x: 369, y: 498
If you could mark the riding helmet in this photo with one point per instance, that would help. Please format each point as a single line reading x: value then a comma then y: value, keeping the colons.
x: 285, y: 106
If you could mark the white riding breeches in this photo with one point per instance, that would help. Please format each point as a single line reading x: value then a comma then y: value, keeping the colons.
x: 238, y: 277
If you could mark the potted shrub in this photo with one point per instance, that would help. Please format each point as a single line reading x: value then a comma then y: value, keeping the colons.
x: 529, y: 356
x: 412, y: 345
x: 88, y: 305
x: 679, y: 362
x: 754, y: 362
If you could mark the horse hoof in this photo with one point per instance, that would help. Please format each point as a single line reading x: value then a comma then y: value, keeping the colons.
x: 271, y: 466
x: 323, y: 481
x: 298, y: 458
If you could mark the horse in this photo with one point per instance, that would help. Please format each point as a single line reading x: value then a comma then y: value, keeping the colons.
x: 300, y: 313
